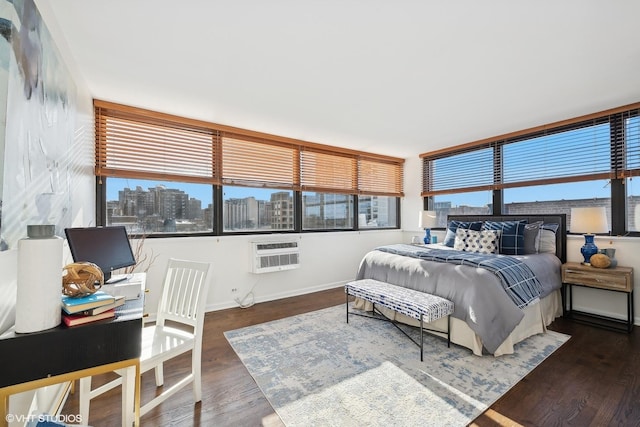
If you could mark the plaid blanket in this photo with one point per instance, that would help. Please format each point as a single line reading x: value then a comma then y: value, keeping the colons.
x: 516, y: 277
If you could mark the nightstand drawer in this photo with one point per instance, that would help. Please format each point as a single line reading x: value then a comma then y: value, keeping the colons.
x: 595, y: 279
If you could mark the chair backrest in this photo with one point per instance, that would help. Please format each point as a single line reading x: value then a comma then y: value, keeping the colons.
x: 184, y: 293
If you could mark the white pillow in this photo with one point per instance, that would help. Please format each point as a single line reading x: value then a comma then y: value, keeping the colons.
x: 483, y: 241
x: 547, y: 238
x: 546, y: 241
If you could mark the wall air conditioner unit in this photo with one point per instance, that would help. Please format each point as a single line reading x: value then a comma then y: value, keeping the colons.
x: 274, y: 255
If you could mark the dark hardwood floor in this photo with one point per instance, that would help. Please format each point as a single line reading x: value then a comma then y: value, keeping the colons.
x: 592, y: 380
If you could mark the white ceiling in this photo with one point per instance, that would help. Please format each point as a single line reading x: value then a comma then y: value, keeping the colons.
x: 394, y: 77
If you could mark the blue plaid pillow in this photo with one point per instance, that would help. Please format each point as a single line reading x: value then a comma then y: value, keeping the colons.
x: 511, y: 236
x: 450, y: 238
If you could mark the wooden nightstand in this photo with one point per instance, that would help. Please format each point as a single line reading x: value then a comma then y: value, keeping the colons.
x: 617, y: 279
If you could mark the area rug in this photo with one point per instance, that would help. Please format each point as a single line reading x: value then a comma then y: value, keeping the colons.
x: 317, y: 370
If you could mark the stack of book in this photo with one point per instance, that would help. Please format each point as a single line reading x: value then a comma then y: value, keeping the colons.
x: 97, y: 306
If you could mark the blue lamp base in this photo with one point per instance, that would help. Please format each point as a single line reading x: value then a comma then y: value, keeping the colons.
x: 427, y: 236
x: 589, y: 248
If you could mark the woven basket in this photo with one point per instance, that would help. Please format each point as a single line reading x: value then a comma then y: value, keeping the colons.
x: 81, y: 278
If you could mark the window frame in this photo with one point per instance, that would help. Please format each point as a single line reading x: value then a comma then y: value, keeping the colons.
x: 222, y: 134
x: 616, y: 174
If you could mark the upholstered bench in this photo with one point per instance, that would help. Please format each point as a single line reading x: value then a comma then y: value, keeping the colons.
x: 415, y: 304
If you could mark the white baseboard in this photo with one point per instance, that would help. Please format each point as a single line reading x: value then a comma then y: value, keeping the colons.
x: 276, y: 296
x: 617, y: 316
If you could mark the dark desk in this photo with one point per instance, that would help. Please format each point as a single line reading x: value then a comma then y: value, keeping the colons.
x: 61, y: 354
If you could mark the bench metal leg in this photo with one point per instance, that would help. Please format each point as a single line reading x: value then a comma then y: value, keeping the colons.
x: 421, y: 339
x: 395, y: 323
x: 347, y: 304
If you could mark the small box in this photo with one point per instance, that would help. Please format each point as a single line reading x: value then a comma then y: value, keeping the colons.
x: 127, y: 289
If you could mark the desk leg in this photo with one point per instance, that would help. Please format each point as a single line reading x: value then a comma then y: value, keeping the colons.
x: 136, y: 397
x: 131, y: 396
x: 630, y: 313
x: 4, y: 410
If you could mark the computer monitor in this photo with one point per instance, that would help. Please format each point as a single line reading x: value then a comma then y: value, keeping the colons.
x: 107, y: 247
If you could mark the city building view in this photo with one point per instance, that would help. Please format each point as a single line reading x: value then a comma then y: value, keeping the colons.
x: 160, y: 209
x: 445, y: 208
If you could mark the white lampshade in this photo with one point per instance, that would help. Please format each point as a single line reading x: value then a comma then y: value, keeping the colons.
x: 427, y: 219
x: 589, y: 220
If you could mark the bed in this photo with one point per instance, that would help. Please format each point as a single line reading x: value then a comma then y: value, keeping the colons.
x: 490, y: 315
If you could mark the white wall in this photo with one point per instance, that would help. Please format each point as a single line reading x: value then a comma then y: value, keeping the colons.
x: 82, y: 189
x: 412, y: 202
x: 8, y: 280
x: 327, y: 260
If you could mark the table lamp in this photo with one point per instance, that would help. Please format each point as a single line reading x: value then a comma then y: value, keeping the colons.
x: 589, y: 221
x: 426, y: 220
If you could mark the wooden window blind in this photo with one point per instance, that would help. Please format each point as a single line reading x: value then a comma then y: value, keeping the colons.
x: 259, y: 163
x: 469, y: 170
x: 328, y: 172
x: 590, y: 147
x: 143, y: 146
x: 377, y: 177
x: 582, y: 153
x: 628, y: 131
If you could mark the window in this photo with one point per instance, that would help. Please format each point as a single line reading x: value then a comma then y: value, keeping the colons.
x: 163, y: 174
x: 131, y: 144
x: 377, y: 212
x: 577, y: 154
x: 581, y: 156
x: 632, y: 185
x: 460, y: 172
x: 633, y: 204
x: 254, y: 209
x: 548, y: 169
x: 472, y: 203
x: 327, y: 211
x: 558, y: 198
x: 145, y: 207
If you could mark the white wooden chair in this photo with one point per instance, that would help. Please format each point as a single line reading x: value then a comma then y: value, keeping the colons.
x: 184, y: 294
